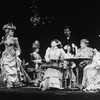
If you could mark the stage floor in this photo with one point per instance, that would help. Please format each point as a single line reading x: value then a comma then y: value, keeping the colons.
x: 34, y: 92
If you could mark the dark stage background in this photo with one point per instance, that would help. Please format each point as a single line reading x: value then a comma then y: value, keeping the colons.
x: 82, y: 17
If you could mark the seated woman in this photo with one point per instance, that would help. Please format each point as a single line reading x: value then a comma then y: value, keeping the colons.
x: 91, y: 74
x: 52, y: 76
x: 83, y: 51
x: 36, y: 62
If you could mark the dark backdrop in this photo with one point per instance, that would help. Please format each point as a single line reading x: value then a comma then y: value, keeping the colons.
x: 82, y: 17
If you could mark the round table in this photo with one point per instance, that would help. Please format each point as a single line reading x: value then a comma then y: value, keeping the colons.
x: 76, y: 60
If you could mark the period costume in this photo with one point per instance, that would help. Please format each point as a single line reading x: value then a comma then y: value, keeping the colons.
x: 91, y: 76
x: 52, y: 76
x: 36, y: 63
x: 84, y: 51
x: 10, y: 62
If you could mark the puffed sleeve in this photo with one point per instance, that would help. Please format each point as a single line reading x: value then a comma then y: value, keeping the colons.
x: 98, y: 58
x: 90, y: 52
x: 47, y: 54
x: 18, y: 50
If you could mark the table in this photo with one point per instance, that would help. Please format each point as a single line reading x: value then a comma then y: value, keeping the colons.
x: 77, y: 60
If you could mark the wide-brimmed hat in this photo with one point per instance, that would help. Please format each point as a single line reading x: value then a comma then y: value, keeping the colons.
x: 85, y: 41
x: 9, y: 26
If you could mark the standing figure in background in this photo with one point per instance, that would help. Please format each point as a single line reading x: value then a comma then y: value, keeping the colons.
x: 67, y: 32
x: 84, y: 51
x: 73, y: 47
x: 36, y: 62
x: 71, y: 50
x: 10, y: 61
x: 53, y: 76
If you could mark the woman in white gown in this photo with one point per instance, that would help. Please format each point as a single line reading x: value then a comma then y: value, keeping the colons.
x: 10, y: 62
x: 53, y: 77
x: 91, y: 76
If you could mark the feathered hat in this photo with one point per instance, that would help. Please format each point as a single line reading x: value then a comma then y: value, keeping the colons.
x: 9, y: 26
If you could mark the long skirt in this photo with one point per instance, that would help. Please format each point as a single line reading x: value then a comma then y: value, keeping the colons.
x: 91, y: 78
x: 52, y: 79
x: 10, y: 69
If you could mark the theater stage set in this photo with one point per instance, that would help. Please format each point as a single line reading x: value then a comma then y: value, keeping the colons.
x: 34, y: 93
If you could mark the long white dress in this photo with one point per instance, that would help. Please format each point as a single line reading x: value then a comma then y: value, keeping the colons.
x: 10, y: 62
x: 53, y: 77
x: 91, y: 76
